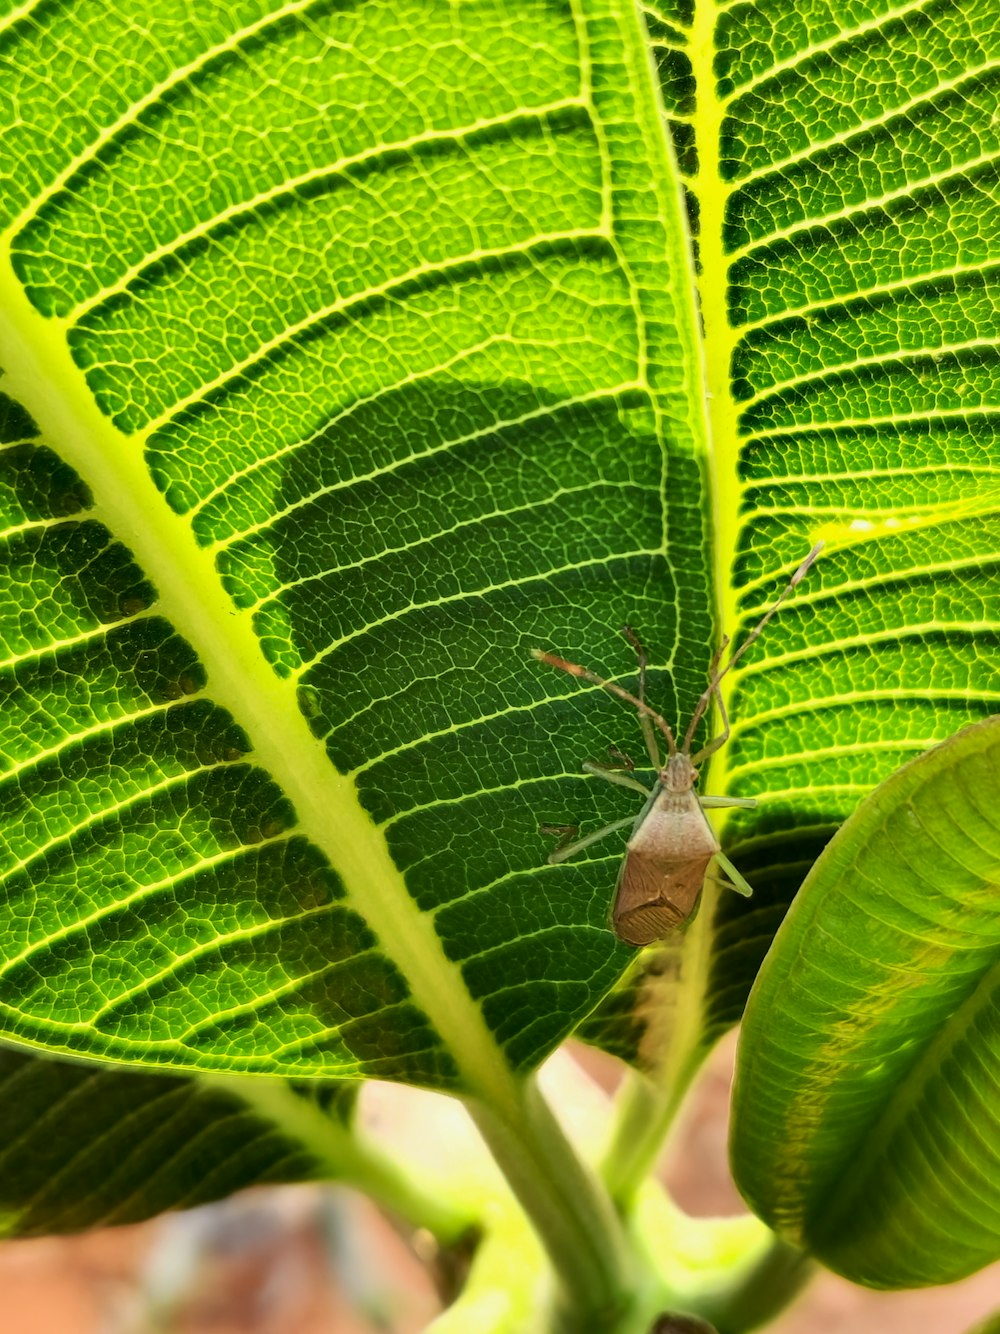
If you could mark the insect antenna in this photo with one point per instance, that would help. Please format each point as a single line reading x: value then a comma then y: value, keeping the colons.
x: 574, y: 670
x: 715, y: 675
x: 648, y: 735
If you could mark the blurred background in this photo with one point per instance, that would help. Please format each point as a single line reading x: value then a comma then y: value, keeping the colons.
x: 321, y: 1260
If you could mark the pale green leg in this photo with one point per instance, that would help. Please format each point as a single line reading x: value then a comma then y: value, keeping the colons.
x: 738, y: 883
x: 571, y: 849
x: 714, y: 803
x: 616, y: 776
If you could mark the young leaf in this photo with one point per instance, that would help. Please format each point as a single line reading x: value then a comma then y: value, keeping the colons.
x: 865, y: 1118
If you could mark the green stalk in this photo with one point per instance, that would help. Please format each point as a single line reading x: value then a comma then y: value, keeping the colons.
x: 760, y: 1293
x: 573, y: 1216
x: 349, y: 1157
x: 647, y: 1104
x: 644, y: 1116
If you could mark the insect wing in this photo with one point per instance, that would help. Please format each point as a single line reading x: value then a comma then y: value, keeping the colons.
x: 664, y: 868
x: 641, y: 913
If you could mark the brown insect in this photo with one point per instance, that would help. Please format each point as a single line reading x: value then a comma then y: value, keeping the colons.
x: 672, y: 844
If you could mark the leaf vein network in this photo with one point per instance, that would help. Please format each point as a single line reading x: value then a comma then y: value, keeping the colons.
x: 826, y: 221
x: 179, y: 77
x: 896, y: 357
x: 428, y: 540
x: 854, y: 424
x: 106, y: 814
x: 468, y: 595
x: 142, y: 894
x: 398, y: 285
x: 899, y: 290
x: 216, y: 946
x: 288, y: 188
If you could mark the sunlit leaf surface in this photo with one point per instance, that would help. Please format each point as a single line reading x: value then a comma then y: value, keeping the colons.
x: 350, y: 353
x: 348, y: 356
x: 841, y: 166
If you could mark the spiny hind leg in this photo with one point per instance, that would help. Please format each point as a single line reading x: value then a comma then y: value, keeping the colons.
x: 569, y: 847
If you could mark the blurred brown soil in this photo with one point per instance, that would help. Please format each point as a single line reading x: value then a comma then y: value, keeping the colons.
x: 303, y: 1260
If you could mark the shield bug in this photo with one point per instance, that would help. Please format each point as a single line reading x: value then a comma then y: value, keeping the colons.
x: 672, y: 844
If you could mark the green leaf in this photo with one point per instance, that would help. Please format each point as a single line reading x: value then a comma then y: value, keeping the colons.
x: 865, y: 1114
x: 87, y: 1147
x: 840, y: 163
x: 359, y: 344
x: 991, y: 1325
x: 369, y: 333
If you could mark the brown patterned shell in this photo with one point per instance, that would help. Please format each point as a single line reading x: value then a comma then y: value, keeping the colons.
x: 664, y: 868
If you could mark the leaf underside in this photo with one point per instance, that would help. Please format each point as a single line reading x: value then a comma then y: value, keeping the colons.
x: 840, y: 163
x: 87, y: 1147
x: 354, y: 356
x: 361, y: 341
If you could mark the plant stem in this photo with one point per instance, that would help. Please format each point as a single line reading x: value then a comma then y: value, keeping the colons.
x: 647, y: 1104
x: 346, y: 1155
x: 644, y: 1114
x: 759, y: 1293
x: 572, y: 1214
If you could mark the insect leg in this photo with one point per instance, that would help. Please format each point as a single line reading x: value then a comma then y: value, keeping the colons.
x: 574, y: 669
x: 716, y: 675
x: 645, y: 722
x: 571, y: 849
x: 616, y: 776
x: 716, y: 803
x: 737, y: 881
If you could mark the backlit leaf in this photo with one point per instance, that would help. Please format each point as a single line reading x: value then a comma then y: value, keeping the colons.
x: 348, y: 355
x: 360, y: 354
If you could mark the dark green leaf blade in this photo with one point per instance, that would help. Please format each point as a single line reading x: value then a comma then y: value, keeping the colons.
x: 86, y: 1147
x: 866, y: 1124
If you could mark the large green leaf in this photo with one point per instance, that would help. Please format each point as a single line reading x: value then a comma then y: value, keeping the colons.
x: 841, y: 165
x: 866, y: 1124
x: 359, y: 341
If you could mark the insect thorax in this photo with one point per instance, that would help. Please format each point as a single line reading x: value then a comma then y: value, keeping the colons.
x: 679, y: 774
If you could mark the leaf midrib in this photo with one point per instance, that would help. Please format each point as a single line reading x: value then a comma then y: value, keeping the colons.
x: 719, y: 340
x: 40, y: 373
